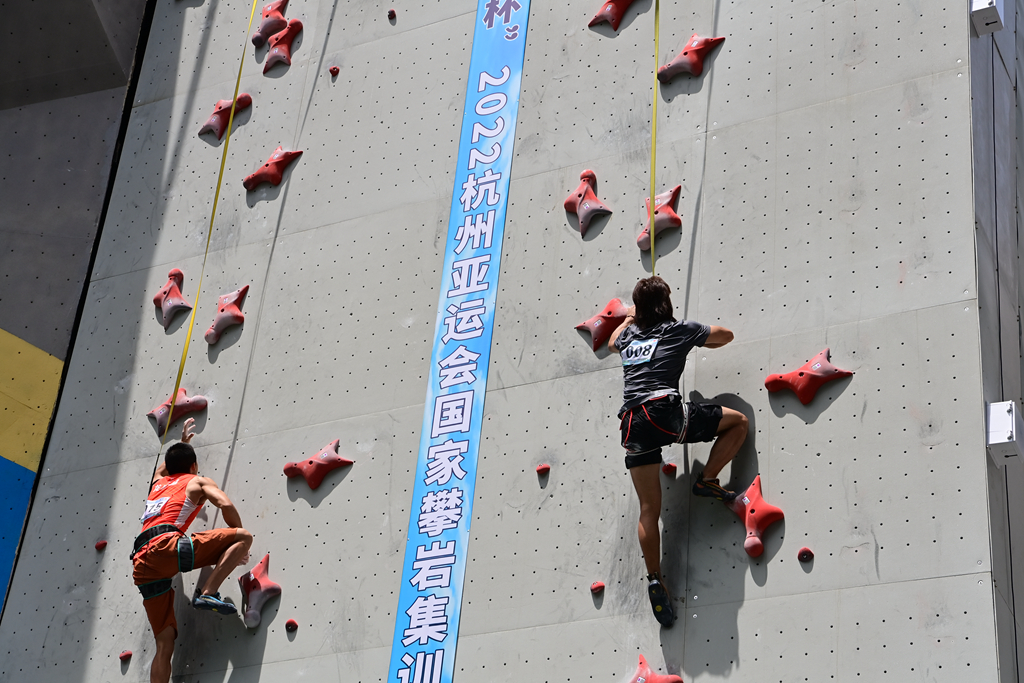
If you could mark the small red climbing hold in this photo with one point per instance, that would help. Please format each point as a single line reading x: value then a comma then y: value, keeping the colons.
x: 392, y: 14
x: 596, y: 587
x: 291, y: 625
x: 805, y: 555
x: 807, y: 379
x: 604, y: 323
x: 665, y: 216
x: 218, y: 121
x: 669, y: 469
x: 183, y: 405
x: 645, y: 675
x: 757, y: 515
x: 543, y: 469
x: 229, y: 314
x: 257, y: 589
x: 281, y: 45
x: 125, y: 655
x: 273, y: 171
x: 100, y: 545
x: 691, y: 59
x: 583, y: 201
x: 334, y: 71
x: 611, y: 11
x: 316, y: 468
x: 273, y: 22
x: 169, y: 299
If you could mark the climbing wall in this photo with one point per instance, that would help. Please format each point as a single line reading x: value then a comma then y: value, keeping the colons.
x: 825, y: 162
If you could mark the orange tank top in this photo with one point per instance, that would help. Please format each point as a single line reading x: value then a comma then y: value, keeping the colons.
x: 168, y: 504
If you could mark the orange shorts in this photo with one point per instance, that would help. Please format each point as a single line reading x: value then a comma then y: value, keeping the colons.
x: 159, y: 560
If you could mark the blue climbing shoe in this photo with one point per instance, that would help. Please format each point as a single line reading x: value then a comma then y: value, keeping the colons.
x: 213, y: 603
x: 661, y: 603
x: 710, y: 488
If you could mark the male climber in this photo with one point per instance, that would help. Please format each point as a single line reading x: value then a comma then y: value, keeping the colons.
x: 164, y: 548
x: 653, y: 347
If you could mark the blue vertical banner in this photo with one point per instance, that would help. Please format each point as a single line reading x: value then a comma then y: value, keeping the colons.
x: 433, y: 574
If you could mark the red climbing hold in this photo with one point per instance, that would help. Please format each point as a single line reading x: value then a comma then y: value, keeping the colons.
x: 611, y: 11
x: 691, y: 59
x: 281, y: 45
x: 169, y: 299
x: 805, y: 555
x: 392, y: 14
x: 665, y: 216
x: 316, y: 468
x: 645, y: 675
x: 669, y: 469
x: 257, y: 588
x: 291, y: 625
x: 584, y: 202
x: 757, y: 516
x: 596, y: 587
x: 100, y: 545
x: 806, y: 380
x: 125, y: 655
x: 183, y: 405
x: 273, y: 22
x: 604, y: 323
x: 543, y: 469
x: 334, y: 71
x: 218, y: 121
x: 273, y: 171
x: 229, y: 313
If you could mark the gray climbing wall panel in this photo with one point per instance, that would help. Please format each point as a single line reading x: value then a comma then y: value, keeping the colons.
x: 825, y: 159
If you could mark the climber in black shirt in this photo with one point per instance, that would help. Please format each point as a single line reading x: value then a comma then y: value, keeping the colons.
x: 653, y: 347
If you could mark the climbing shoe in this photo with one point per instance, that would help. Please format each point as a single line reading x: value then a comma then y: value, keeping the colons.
x: 214, y: 604
x: 661, y: 603
x: 710, y: 488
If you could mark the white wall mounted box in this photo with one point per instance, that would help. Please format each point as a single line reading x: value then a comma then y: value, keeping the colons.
x: 1005, y: 432
x: 987, y: 16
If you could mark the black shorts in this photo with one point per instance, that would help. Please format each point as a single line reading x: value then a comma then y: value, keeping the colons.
x: 663, y: 421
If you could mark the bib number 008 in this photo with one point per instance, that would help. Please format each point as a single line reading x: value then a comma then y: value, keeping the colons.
x: 639, y: 352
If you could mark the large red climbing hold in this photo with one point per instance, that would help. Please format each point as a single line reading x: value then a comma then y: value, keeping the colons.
x: 257, y: 589
x: 665, y: 216
x: 229, y: 313
x: 218, y: 121
x: 281, y: 45
x: 807, y: 379
x: 584, y: 203
x: 183, y: 405
x: 125, y: 655
x: 169, y: 299
x: 604, y: 323
x: 316, y: 468
x: 611, y: 11
x: 273, y: 22
x: 757, y: 515
x: 691, y: 59
x: 273, y: 171
x: 644, y: 674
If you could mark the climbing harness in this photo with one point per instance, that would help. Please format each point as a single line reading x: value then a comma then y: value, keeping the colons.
x: 186, y: 557
x: 654, y: 132
x: 149, y: 534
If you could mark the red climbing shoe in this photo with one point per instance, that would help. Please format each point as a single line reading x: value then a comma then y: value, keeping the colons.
x: 710, y: 488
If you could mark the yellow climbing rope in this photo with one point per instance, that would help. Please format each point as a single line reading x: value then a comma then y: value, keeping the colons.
x: 654, y: 128
x: 209, y: 232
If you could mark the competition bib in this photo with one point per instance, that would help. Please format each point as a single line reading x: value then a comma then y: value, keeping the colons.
x: 639, y: 351
x: 153, y: 508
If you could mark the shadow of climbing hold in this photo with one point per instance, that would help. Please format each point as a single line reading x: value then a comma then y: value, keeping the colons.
x: 229, y: 313
x: 101, y: 545
x: 218, y: 121
x: 334, y: 71
x: 805, y: 555
x: 281, y: 45
x: 169, y: 299
x: 665, y: 216
x: 257, y: 589
x: 316, y: 468
x: 669, y: 469
x: 584, y: 203
x: 807, y: 379
x: 604, y: 323
x: 392, y: 15
x: 596, y: 587
x: 273, y: 171
x: 273, y: 21
x: 691, y: 59
x: 183, y: 405
x: 611, y: 11
x: 645, y: 675
x: 291, y: 626
x: 542, y: 470
x: 757, y: 516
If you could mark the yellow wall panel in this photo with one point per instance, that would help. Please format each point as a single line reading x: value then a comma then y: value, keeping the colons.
x: 29, y: 379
